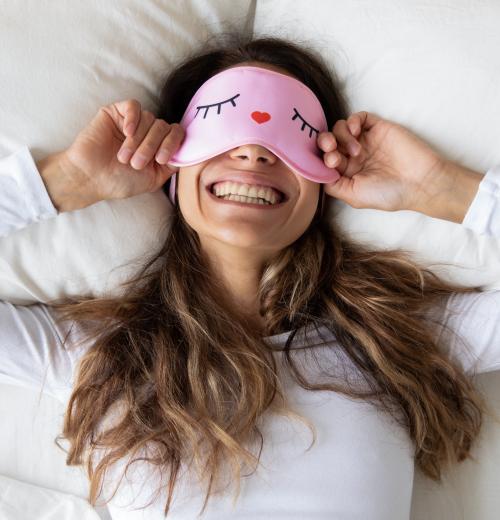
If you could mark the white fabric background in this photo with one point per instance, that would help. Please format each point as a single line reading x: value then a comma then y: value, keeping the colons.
x: 431, y: 66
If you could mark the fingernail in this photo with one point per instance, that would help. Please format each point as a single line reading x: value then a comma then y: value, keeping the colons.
x: 162, y: 157
x: 327, y: 143
x: 124, y: 154
x: 354, y: 148
x: 333, y: 161
x: 138, y: 161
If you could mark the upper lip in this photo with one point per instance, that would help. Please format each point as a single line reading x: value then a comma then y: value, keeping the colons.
x: 249, y: 178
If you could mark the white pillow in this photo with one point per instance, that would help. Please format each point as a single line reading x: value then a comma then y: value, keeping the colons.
x: 61, y: 61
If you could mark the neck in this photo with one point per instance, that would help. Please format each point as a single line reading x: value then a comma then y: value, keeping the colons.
x: 240, y: 270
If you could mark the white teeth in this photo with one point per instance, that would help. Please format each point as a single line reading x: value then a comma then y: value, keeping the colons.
x: 242, y: 198
x: 250, y: 191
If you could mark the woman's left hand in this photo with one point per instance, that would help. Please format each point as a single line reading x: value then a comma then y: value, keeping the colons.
x: 393, y: 169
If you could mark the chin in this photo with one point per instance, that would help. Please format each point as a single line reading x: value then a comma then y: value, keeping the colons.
x: 242, y: 239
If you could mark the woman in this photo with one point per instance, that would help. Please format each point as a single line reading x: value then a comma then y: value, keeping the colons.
x: 246, y: 319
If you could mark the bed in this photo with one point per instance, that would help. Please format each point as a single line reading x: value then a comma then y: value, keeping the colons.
x: 430, y: 66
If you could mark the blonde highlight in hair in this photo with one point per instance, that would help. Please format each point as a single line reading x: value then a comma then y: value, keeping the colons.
x: 187, y: 380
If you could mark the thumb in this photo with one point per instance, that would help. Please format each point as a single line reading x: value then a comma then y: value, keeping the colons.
x: 340, y: 189
x: 162, y: 174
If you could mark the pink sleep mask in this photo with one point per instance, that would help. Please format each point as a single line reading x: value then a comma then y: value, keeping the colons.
x: 248, y: 104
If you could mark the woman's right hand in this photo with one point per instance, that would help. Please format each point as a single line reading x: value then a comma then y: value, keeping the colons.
x: 124, y: 128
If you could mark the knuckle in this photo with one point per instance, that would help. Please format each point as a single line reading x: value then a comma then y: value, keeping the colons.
x: 177, y: 128
x: 337, y: 125
x: 161, y: 125
x: 104, y: 110
x: 340, y: 127
x: 148, y: 146
x: 167, y: 144
x: 110, y: 110
x: 133, y: 102
x: 133, y: 107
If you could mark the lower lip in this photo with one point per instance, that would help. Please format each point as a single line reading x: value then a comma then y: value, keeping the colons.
x: 246, y: 204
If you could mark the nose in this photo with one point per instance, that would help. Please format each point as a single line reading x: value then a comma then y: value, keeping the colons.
x: 254, y: 153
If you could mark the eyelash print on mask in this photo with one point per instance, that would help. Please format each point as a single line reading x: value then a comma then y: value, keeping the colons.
x: 218, y: 105
x: 231, y: 100
x: 304, y: 123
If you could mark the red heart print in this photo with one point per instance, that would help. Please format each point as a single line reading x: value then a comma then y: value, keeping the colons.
x: 261, y: 117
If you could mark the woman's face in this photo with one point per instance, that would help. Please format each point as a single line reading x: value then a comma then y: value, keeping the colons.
x: 266, y: 227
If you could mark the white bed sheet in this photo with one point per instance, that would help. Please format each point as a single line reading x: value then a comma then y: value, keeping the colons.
x: 21, y: 501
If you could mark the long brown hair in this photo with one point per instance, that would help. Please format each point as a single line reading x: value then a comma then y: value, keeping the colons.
x: 192, y: 376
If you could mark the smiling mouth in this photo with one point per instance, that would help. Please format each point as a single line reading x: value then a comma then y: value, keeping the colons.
x: 257, y: 205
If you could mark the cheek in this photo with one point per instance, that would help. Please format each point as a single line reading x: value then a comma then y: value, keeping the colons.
x: 302, y: 213
x: 188, y: 197
x: 312, y: 201
x: 308, y: 209
x: 310, y: 193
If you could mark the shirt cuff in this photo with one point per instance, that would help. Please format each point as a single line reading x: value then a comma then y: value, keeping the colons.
x: 483, y: 215
x: 39, y: 206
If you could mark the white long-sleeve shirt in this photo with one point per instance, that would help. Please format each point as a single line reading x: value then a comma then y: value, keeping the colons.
x: 361, y: 465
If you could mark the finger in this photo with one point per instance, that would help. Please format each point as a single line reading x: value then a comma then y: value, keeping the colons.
x: 354, y: 124
x: 345, y: 138
x: 162, y: 175
x: 170, y: 144
x: 362, y: 120
x: 150, y: 144
x: 326, y: 141
x: 340, y: 189
x: 130, y: 111
x: 332, y: 159
x: 336, y: 160
x: 131, y: 143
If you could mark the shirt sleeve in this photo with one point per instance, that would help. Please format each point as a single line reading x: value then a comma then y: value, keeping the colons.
x: 31, y: 349
x: 483, y: 215
x: 23, y: 196
x: 470, y: 330
x: 471, y: 322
